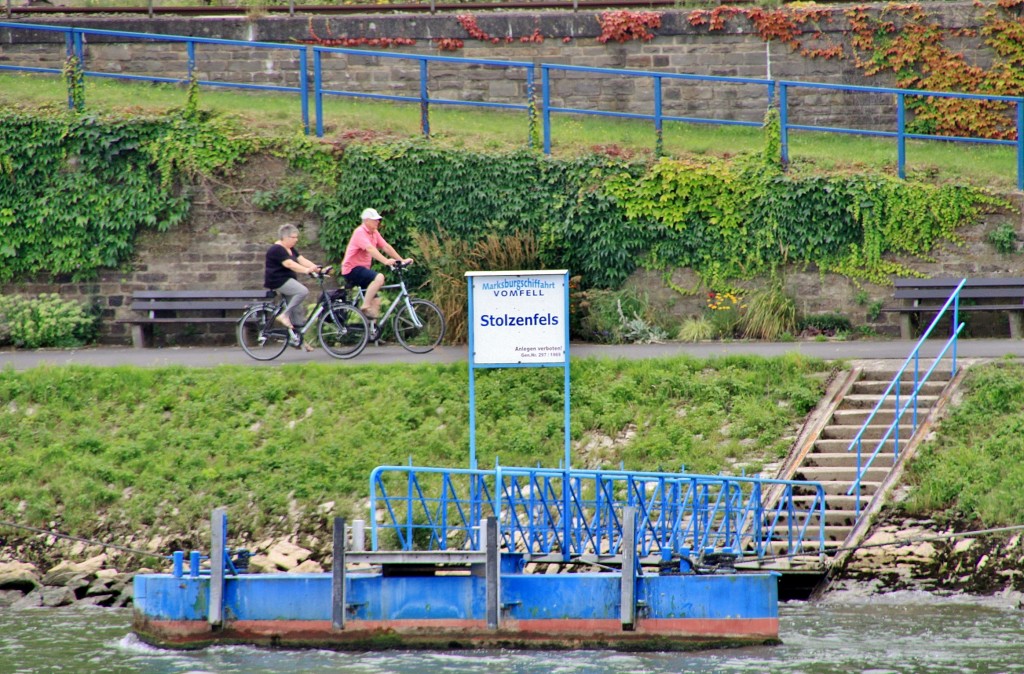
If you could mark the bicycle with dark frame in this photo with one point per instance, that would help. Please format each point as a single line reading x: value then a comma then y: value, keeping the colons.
x: 342, y: 329
x: 416, y: 323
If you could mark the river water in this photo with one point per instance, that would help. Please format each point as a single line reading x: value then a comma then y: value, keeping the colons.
x: 897, y: 633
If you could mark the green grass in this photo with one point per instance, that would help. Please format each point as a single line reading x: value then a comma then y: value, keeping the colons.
x: 123, y: 451
x: 975, y: 466
x: 482, y: 129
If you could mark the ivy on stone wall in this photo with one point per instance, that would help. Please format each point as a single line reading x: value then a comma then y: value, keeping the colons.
x: 75, y: 189
x: 602, y: 217
x: 420, y: 187
x: 738, y: 219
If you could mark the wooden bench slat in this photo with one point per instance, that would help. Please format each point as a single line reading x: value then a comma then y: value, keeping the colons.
x: 970, y: 307
x: 192, y: 305
x: 183, y: 319
x: 954, y: 282
x: 201, y: 294
x: 966, y: 293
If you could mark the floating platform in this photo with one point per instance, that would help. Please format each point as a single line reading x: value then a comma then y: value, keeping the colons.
x: 461, y: 607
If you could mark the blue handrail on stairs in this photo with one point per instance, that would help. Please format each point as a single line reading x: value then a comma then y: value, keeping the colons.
x: 894, y: 429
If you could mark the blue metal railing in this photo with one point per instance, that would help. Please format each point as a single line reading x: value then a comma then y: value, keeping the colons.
x: 423, y: 98
x: 568, y: 514
x: 910, y: 402
x: 900, y: 134
x: 656, y: 115
x: 75, y: 40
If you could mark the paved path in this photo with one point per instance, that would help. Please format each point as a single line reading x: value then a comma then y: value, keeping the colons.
x: 212, y: 356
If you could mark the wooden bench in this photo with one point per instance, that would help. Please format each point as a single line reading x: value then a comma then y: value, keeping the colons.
x: 187, y: 306
x: 922, y: 296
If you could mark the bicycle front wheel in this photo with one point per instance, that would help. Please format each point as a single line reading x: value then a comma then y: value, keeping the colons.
x: 419, y: 326
x: 343, y: 331
x: 259, y: 336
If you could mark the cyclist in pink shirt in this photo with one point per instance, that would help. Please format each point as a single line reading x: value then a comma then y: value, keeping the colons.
x: 364, y: 247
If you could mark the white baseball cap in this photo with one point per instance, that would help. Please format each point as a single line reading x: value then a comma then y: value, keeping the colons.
x: 370, y: 214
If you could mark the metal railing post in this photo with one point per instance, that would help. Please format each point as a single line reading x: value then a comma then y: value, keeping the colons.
x: 1020, y: 143
x: 531, y: 108
x: 784, y: 122
x: 318, y: 99
x: 190, y: 51
x: 901, y: 138
x: 659, y: 142
x: 545, y: 87
x: 424, y: 100
x: 304, y: 88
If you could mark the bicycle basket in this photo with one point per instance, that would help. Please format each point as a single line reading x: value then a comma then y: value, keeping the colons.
x: 338, y: 295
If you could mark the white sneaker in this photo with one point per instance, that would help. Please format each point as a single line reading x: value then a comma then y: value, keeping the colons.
x: 293, y: 339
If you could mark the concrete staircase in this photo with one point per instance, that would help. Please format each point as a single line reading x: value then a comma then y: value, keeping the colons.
x: 821, y: 454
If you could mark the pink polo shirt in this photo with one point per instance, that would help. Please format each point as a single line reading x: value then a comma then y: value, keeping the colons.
x: 356, y: 254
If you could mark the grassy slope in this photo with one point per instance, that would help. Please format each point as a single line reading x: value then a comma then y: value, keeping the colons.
x: 278, y: 114
x: 108, y: 452
x: 975, y: 466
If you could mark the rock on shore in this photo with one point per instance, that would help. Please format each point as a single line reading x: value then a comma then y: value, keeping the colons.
x: 899, y: 554
x: 933, y: 556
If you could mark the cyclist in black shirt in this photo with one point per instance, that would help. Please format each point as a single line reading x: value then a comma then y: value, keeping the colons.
x: 283, y: 265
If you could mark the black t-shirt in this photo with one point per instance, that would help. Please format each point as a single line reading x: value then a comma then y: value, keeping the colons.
x: 275, y: 274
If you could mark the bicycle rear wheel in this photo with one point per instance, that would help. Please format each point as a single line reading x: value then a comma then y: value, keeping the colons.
x: 343, y: 332
x: 259, y: 336
x: 421, y: 329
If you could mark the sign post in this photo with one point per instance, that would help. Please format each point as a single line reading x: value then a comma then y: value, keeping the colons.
x: 518, y: 319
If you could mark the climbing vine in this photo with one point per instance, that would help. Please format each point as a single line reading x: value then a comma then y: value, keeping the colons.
x: 74, y: 80
x: 903, y: 40
x: 623, y: 26
x: 603, y: 217
x: 77, y: 188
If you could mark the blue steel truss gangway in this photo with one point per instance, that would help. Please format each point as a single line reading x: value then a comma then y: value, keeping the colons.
x: 567, y: 516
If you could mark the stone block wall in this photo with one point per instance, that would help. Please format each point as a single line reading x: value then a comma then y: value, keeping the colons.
x: 222, y: 247
x: 569, y: 39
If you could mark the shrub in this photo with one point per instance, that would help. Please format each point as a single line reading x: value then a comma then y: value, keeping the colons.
x: 771, y: 313
x: 47, y: 320
x: 618, y: 317
x: 828, y: 324
x: 447, y: 258
x: 1004, y: 239
x: 696, y: 329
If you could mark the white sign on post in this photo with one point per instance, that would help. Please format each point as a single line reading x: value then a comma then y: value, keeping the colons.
x: 519, y: 318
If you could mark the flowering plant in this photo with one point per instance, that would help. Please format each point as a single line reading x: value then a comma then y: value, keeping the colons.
x: 725, y: 311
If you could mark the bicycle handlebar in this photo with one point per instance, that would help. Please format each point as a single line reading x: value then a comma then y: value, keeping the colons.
x: 323, y: 273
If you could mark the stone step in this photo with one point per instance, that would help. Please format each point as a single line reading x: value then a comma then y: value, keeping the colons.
x: 834, y: 501
x: 845, y: 474
x: 869, y: 401
x: 931, y: 387
x: 849, y: 431
x: 832, y: 517
x: 908, y: 375
x: 883, y: 417
x: 833, y: 453
x: 836, y: 534
x: 837, y: 488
